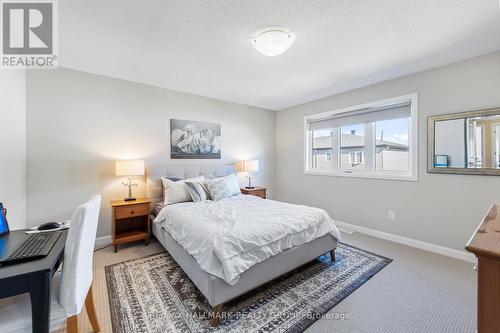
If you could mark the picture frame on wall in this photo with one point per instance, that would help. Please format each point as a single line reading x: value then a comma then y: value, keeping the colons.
x: 194, y: 140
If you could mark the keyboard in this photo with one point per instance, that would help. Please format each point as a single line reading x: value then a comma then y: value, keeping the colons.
x: 34, y: 247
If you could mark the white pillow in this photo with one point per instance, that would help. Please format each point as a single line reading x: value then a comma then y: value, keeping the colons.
x: 176, y: 191
x: 217, y: 188
x: 232, y: 184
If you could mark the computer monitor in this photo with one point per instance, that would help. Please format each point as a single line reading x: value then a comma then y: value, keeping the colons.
x: 4, y: 225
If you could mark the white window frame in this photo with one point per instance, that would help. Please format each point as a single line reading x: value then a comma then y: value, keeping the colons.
x: 410, y: 175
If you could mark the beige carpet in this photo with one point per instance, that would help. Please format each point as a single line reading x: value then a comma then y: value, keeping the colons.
x: 418, y: 292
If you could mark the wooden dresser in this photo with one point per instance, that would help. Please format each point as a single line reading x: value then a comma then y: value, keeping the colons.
x: 485, y: 244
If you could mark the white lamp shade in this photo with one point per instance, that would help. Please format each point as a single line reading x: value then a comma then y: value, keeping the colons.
x: 129, y: 168
x: 250, y: 166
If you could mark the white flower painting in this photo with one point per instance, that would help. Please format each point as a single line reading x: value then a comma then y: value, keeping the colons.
x: 194, y: 140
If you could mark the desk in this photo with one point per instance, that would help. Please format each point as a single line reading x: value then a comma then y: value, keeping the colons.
x: 34, y: 277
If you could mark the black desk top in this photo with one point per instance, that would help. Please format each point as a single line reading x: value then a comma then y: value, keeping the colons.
x: 9, y: 241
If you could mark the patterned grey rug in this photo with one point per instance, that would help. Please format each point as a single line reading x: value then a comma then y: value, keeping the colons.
x: 152, y: 294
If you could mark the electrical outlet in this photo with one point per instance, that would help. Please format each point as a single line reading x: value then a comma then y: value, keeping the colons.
x: 391, y: 215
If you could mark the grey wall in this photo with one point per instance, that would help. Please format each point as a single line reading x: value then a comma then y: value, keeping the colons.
x: 440, y: 209
x: 12, y: 146
x: 79, y: 123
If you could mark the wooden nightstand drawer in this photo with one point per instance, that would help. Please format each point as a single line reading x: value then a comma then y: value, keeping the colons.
x: 126, y: 212
x: 258, y: 192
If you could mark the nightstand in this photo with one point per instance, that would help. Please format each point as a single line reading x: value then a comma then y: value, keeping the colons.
x: 257, y: 191
x: 130, y: 221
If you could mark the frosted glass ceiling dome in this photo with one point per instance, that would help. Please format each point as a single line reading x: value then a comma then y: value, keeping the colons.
x: 273, y: 41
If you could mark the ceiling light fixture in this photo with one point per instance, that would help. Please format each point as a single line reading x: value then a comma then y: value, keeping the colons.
x: 273, y: 41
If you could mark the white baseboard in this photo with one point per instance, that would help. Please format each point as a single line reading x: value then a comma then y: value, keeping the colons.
x: 345, y: 230
x: 462, y: 255
x: 102, y: 241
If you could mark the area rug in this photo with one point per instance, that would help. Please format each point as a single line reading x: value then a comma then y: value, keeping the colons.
x: 153, y: 294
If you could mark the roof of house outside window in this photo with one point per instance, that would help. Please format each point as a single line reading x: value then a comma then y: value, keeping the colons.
x: 353, y: 141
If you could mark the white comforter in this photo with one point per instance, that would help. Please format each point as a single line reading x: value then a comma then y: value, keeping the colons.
x: 229, y: 236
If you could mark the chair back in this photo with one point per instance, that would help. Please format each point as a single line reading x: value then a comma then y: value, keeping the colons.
x: 78, y: 254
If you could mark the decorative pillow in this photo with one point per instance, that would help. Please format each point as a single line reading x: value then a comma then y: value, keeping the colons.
x: 232, y: 184
x: 217, y: 189
x: 197, y: 191
x: 175, y: 192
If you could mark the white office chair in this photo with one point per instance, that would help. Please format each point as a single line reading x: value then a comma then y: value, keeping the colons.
x: 71, y: 289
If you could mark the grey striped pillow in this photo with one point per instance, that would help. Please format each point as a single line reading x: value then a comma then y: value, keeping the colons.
x: 197, y: 191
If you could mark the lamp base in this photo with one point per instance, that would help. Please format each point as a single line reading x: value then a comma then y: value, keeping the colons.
x: 250, y: 187
x: 130, y: 199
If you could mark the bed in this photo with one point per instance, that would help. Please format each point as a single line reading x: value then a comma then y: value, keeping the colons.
x: 222, y: 286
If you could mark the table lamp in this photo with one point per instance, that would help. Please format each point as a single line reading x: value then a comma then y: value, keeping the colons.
x: 250, y: 166
x: 130, y: 169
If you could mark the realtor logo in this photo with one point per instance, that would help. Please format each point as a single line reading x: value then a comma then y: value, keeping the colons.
x: 28, y: 34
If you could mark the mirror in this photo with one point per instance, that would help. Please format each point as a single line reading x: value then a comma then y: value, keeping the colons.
x: 465, y: 143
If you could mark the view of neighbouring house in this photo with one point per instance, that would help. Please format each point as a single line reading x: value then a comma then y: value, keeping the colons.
x: 389, y: 155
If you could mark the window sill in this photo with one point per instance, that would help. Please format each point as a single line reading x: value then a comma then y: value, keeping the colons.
x: 409, y: 178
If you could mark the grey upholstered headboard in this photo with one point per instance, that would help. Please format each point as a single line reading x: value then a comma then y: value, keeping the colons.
x: 155, y: 173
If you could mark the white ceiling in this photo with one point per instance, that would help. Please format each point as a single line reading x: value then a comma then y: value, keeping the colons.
x: 202, y: 46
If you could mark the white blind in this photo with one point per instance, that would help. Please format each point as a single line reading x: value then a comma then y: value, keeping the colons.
x: 363, y: 116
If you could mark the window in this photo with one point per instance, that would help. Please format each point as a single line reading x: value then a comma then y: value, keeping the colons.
x: 356, y: 158
x: 392, y: 151
x: 352, y: 146
x: 375, y: 140
x: 321, y: 148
